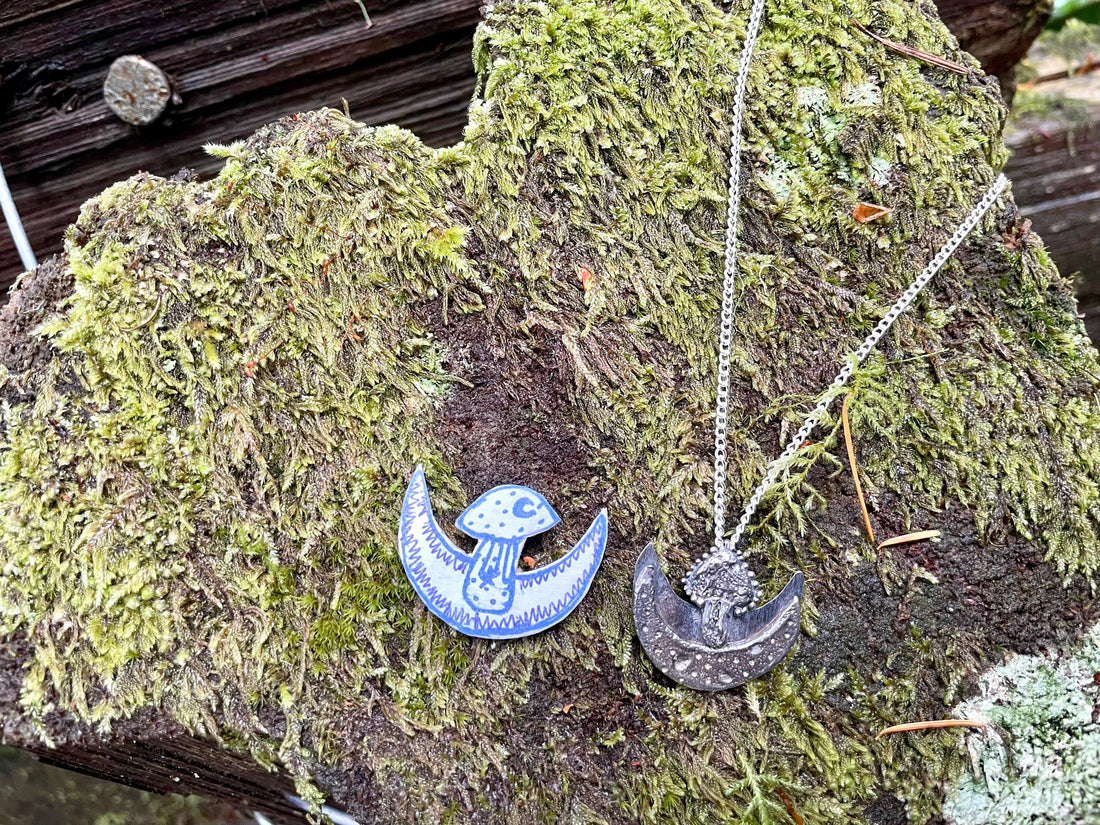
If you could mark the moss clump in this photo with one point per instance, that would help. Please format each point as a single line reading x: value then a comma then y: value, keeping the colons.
x: 198, y: 494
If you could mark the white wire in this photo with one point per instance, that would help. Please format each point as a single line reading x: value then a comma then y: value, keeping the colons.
x: 15, y: 225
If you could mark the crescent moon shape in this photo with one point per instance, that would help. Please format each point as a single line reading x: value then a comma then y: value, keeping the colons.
x: 670, y: 631
x: 437, y: 570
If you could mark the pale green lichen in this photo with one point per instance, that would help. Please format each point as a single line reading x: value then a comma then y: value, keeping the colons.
x: 197, y: 510
x: 1039, y: 760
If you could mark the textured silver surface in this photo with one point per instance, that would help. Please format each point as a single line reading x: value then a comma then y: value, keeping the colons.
x: 721, y: 641
x: 671, y: 631
x: 136, y: 90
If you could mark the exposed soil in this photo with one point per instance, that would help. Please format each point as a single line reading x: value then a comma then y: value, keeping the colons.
x: 35, y: 299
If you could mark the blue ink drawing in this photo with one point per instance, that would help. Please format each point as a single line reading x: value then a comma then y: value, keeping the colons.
x: 484, y: 594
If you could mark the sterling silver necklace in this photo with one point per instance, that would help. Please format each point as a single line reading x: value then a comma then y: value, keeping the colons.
x: 720, y: 639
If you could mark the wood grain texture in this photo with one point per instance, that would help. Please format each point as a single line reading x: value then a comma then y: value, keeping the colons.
x: 997, y: 33
x: 242, y: 63
x: 237, y: 66
x: 1055, y: 169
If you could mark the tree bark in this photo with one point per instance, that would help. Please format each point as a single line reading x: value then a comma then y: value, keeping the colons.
x: 215, y: 398
x: 998, y: 34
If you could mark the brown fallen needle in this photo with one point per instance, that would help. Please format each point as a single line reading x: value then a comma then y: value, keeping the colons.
x: 909, y: 51
x: 934, y: 723
x: 920, y: 535
x: 855, y: 471
x: 791, y: 812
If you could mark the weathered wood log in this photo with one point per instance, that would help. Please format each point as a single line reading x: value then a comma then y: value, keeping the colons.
x: 33, y: 791
x: 239, y: 65
x: 998, y: 34
x: 214, y: 400
x: 236, y: 65
x: 1055, y: 165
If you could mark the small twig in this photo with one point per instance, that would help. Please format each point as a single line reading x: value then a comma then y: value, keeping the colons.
x: 791, y: 812
x: 909, y: 51
x: 149, y: 320
x: 934, y: 723
x: 1090, y: 65
x: 920, y: 535
x: 348, y: 333
x: 251, y: 365
x: 469, y: 385
x: 852, y: 463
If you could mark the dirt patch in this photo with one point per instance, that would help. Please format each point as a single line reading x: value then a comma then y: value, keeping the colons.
x: 992, y: 598
x: 35, y: 298
x: 508, y: 421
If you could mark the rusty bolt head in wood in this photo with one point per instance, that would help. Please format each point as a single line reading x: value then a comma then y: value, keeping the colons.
x: 136, y: 90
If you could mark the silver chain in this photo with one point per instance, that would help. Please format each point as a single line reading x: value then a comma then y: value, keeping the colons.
x: 725, y: 550
x: 729, y: 278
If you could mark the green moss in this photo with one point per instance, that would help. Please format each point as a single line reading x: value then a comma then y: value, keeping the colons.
x: 198, y: 508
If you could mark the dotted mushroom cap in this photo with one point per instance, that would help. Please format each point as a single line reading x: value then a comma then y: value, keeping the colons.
x: 507, y: 512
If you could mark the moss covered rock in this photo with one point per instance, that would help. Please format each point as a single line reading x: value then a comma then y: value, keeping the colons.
x: 214, y: 402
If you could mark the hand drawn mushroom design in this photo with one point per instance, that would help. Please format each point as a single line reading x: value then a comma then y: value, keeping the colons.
x: 484, y: 595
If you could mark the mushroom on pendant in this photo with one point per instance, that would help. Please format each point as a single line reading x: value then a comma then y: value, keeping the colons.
x: 484, y: 594
x: 501, y: 520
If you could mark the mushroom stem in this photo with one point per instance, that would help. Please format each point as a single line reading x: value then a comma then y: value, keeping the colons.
x: 490, y: 585
x: 713, y: 629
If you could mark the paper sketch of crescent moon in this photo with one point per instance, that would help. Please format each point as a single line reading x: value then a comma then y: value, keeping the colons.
x: 484, y: 594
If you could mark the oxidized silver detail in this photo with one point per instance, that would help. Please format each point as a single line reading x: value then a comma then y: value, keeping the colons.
x: 673, y: 632
x: 721, y: 641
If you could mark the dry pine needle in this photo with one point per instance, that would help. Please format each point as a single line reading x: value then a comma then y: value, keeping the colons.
x: 855, y: 470
x: 920, y: 535
x: 931, y: 724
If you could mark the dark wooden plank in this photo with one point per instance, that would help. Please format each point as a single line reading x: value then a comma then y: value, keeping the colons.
x: 208, y: 79
x: 91, y: 33
x: 174, y: 762
x: 431, y: 100
x: 1055, y: 169
x: 242, y: 63
x: 411, y: 67
x: 997, y: 33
